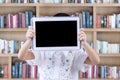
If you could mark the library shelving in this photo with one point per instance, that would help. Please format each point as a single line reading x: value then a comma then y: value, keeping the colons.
x: 111, y: 35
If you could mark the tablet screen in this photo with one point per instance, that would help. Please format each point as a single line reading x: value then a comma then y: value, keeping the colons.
x: 56, y: 33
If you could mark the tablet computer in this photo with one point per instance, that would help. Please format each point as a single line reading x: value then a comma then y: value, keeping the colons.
x: 56, y: 33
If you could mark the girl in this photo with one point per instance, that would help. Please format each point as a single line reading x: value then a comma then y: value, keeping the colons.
x: 59, y: 65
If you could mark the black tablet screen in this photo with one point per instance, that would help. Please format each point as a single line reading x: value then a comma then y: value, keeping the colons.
x: 56, y: 33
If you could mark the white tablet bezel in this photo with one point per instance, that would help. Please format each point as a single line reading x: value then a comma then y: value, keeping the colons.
x: 33, y: 20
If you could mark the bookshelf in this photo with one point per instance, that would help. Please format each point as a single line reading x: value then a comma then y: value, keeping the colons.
x: 43, y: 9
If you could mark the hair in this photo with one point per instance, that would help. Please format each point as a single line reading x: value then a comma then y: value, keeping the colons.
x: 61, y: 14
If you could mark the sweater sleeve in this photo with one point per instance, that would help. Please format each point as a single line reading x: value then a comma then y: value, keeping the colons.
x: 37, y: 60
x: 80, y: 57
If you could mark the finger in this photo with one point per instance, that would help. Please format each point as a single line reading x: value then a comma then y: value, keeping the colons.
x: 81, y: 38
x: 82, y: 35
x: 81, y: 32
x: 82, y: 29
x: 30, y: 36
x: 32, y: 31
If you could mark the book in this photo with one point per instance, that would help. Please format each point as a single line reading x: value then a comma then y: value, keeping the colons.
x: 1, y: 71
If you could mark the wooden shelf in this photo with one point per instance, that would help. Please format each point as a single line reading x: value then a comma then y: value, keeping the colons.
x: 102, y: 30
x: 8, y: 54
x: 107, y: 30
x: 114, y: 55
x: 13, y: 29
x: 110, y: 59
x: 16, y: 4
x: 86, y: 29
x: 65, y: 4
